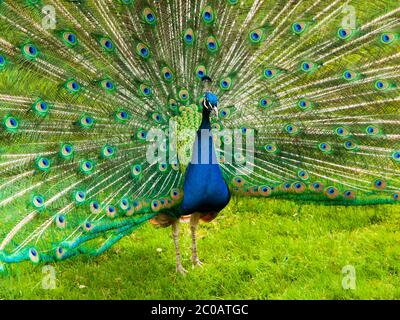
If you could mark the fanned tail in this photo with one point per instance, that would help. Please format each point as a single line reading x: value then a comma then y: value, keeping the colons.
x: 80, y: 94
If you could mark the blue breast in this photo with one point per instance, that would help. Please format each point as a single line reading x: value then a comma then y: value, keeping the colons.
x: 204, y: 187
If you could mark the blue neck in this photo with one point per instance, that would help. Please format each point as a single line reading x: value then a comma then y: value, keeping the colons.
x: 205, y: 122
x: 204, y: 187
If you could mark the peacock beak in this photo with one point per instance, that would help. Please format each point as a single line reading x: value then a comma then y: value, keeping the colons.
x: 215, y: 111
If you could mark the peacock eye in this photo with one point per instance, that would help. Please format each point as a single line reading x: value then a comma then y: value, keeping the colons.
x: 72, y: 86
x: 30, y: 51
x: 184, y: 95
x: 107, y: 152
x: 87, y: 166
x: 66, y: 151
x: 387, y: 38
x: 79, y: 196
x: 94, y: 207
x: 298, y: 27
x: 38, y: 202
x: 350, y: 75
x: 212, y: 44
x: 255, y: 36
x: 122, y: 116
x: 270, y: 73
x: 40, y: 107
x: 69, y: 39
x: 344, y: 33
x: 208, y: 15
x: 86, y: 121
x: 107, y: 85
x: 143, y: 50
x: 43, y: 164
x: 106, y: 44
x: 60, y: 221
x: 225, y: 84
x: 167, y: 74
x: 188, y: 36
x: 201, y: 71
x: 325, y: 147
x: 380, y: 184
x: 33, y: 255
x: 149, y: 16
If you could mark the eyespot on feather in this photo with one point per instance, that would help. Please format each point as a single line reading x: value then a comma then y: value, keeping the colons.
x: 208, y: 15
x: 149, y: 16
x: 212, y: 44
x: 10, y: 123
x: 87, y: 166
x: 30, y: 51
x: 66, y: 151
x: 106, y: 44
x: 331, y: 192
x: 143, y: 51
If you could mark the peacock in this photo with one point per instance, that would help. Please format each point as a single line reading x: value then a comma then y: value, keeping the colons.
x: 118, y: 113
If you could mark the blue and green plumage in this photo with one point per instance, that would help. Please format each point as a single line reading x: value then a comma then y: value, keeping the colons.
x: 204, y: 189
x: 77, y: 103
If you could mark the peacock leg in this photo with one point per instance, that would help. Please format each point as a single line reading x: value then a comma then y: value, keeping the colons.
x: 194, y: 222
x: 175, y: 234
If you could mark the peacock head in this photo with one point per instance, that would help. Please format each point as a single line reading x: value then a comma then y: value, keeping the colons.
x: 210, y: 101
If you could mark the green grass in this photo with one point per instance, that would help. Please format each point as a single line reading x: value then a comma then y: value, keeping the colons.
x: 256, y: 249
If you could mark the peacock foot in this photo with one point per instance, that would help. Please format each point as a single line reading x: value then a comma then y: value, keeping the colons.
x: 196, y: 263
x: 180, y: 269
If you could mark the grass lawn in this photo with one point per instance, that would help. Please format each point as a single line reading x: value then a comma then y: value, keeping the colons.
x: 256, y: 249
